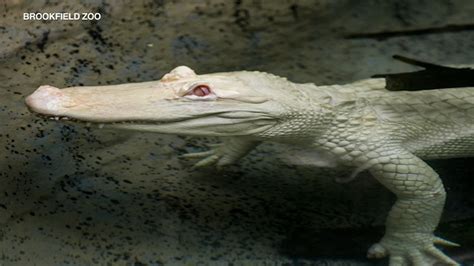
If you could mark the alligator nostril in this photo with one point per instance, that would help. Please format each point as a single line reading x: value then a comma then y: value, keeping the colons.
x: 46, y: 99
x: 47, y: 89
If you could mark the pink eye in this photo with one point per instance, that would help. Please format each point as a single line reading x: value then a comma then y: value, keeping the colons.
x: 201, y: 90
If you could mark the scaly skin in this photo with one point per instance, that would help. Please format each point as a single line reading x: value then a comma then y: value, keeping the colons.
x: 361, y: 124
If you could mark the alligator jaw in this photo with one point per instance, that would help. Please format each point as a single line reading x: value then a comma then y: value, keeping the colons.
x: 153, y: 106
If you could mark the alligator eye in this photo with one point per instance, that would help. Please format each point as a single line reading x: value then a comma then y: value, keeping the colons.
x: 201, y: 90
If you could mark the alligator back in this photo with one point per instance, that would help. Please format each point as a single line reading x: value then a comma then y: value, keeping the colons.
x: 433, y: 124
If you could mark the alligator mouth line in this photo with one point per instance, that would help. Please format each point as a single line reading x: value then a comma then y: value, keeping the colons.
x: 102, y: 124
x: 126, y: 122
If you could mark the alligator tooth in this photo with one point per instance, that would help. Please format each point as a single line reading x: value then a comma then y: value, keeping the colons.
x: 101, y: 125
x: 88, y: 124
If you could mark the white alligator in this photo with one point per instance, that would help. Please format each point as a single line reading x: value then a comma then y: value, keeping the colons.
x: 361, y: 124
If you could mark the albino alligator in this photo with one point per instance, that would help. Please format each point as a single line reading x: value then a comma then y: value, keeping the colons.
x: 362, y: 125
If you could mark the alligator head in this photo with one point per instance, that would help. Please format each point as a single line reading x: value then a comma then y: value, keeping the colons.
x: 182, y: 102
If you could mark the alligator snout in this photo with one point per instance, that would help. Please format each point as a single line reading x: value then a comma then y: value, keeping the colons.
x: 47, y: 100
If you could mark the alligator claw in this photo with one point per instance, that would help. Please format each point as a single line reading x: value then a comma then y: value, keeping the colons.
x: 212, y: 159
x: 439, y: 255
x: 197, y: 155
x: 377, y: 251
x: 218, y: 155
x: 404, y: 250
x: 222, y: 154
x: 444, y: 242
x: 214, y: 145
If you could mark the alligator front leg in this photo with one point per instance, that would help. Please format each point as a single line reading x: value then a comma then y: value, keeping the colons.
x: 409, y: 237
x: 225, y: 153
